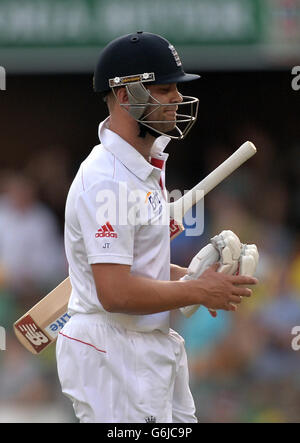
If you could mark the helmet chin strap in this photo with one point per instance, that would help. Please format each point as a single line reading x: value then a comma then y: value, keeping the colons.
x: 144, y: 130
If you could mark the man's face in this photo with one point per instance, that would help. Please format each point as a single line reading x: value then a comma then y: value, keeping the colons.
x: 165, y: 94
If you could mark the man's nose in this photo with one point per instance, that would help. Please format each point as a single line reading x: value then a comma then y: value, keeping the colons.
x: 177, y: 97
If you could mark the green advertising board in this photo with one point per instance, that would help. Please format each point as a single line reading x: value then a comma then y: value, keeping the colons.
x: 32, y: 23
x: 67, y: 34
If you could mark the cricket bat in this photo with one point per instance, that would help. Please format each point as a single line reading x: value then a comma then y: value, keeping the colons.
x: 39, y: 327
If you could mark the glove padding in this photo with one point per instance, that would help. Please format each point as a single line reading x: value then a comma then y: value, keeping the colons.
x: 233, y: 256
x: 248, y: 260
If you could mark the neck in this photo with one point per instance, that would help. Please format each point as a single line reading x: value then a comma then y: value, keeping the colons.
x: 129, y: 131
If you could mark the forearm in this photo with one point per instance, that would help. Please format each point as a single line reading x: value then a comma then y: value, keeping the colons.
x: 121, y: 291
x: 176, y: 272
x: 148, y: 296
x: 141, y: 296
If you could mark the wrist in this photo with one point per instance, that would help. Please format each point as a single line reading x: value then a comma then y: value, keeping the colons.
x: 195, y: 292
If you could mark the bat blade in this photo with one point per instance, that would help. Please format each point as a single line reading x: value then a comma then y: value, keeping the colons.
x: 39, y: 327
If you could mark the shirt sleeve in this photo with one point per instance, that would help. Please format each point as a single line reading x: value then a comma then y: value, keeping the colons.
x: 107, y: 222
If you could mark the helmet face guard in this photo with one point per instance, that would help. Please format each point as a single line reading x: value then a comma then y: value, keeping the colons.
x: 187, y: 119
x: 141, y: 104
x: 157, y: 62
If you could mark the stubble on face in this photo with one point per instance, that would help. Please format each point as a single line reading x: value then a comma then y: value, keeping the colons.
x: 165, y: 115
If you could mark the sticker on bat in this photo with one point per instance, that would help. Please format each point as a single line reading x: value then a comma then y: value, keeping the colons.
x: 54, y: 328
x: 30, y: 330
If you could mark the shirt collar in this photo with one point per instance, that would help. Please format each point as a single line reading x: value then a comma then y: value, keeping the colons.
x: 128, y: 155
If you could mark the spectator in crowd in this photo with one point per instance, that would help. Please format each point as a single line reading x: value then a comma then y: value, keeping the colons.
x: 50, y: 170
x: 32, y: 262
x: 32, y: 258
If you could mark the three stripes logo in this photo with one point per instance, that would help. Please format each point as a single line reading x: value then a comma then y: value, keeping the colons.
x: 106, y: 231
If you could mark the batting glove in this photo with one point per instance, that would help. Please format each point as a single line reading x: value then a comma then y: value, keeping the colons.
x: 233, y: 256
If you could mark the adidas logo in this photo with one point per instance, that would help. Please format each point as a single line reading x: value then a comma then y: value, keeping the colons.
x: 106, y: 231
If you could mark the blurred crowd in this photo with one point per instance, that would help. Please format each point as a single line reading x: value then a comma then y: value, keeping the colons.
x: 32, y: 262
x: 242, y: 365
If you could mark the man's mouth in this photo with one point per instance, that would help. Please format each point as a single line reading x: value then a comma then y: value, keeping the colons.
x: 171, y: 114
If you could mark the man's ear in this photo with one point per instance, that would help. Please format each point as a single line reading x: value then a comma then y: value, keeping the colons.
x: 122, y: 95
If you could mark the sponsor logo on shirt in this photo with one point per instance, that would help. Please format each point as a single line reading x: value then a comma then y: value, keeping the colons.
x: 106, y: 231
x: 154, y: 200
x: 175, y: 228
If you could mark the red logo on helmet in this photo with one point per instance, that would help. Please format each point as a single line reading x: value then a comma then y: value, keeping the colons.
x: 106, y: 231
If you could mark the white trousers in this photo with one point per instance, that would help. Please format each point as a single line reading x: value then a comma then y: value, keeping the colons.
x: 113, y: 375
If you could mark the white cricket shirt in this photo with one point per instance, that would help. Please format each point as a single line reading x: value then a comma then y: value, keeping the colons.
x: 116, y: 212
